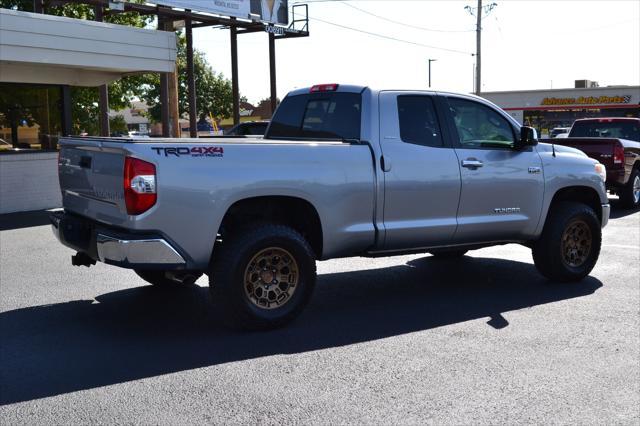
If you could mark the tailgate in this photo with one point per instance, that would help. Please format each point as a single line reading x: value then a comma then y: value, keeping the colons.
x: 91, y: 179
x: 600, y: 149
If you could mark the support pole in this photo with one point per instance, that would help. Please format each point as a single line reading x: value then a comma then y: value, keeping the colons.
x: 193, y: 113
x: 174, y: 112
x: 103, y: 91
x: 164, y: 93
x: 164, y: 104
x: 272, y: 72
x: 234, y: 74
x: 104, y: 110
x: 65, y: 116
x: 478, y: 47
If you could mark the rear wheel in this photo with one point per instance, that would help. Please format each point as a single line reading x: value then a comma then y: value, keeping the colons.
x: 630, y: 193
x: 569, y: 246
x: 263, y: 277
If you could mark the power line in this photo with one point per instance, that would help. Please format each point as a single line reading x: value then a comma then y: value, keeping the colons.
x: 403, y: 23
x: 389, y: 37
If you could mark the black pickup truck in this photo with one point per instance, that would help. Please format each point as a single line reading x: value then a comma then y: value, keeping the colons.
x: 615, y: 142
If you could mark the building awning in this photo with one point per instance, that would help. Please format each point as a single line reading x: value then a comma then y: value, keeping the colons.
x: 46, y: 49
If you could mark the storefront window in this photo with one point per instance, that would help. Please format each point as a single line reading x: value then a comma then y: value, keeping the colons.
x: 30, y: 117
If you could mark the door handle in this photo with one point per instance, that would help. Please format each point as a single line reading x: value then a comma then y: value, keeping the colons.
x: 472, y: 163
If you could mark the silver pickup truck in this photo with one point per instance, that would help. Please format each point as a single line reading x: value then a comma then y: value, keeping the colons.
x: 341, y: 171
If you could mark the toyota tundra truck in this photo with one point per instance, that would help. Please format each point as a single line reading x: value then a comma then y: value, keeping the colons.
x: 342, y: 171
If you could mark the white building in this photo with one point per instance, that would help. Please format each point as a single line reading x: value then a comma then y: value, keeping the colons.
x: 41, y: 57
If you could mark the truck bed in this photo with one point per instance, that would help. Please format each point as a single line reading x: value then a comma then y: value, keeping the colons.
x: 198, y: 180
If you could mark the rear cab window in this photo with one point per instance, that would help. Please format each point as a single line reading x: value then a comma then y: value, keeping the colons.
x: 606, y: 129
x: 324, y: 115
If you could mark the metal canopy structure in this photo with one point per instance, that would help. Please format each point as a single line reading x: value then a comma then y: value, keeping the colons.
x: 166, y: 17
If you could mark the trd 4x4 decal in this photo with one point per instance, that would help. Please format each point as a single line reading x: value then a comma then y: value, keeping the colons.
x: 194, y: 151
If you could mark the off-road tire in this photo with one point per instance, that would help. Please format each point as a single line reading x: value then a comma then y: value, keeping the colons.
x: 627, y: 197
x: 229, y: 274
x: 448, y: 254
x: 548, y: 255
x: 158, y: 279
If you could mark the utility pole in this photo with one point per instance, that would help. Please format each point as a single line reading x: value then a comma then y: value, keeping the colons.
x: 478, y: 48
x: 479, y: 12
x: 430, y: 60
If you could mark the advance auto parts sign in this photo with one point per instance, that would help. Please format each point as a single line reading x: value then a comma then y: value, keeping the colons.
x: 588, y: 100
x: 272, y: 11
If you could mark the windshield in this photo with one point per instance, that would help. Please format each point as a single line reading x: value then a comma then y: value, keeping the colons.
x: 325, y: 115
x: 615, y: 129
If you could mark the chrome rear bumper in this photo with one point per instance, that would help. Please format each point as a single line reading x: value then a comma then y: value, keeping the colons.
x: 136, y: 252
x: 116, y: 246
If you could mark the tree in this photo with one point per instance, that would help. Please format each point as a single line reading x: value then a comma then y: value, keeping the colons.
x: 118, y: 126
x: 213, y: 91
x: 214, y: 95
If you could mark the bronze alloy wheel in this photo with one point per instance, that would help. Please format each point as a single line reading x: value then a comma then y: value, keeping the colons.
x: 576, y: 243
x: 271, y: 278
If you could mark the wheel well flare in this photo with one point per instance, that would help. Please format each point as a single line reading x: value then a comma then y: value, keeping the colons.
x: 581, y: 194
x: 295, y: 212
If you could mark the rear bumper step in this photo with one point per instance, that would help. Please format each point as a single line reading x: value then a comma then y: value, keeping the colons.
x: 100, y: 243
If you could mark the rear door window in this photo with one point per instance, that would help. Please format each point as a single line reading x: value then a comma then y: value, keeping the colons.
x: 330, y: 116
x: 418, y: 121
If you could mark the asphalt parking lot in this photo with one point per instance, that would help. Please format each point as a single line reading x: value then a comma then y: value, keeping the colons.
x: 399, y: 340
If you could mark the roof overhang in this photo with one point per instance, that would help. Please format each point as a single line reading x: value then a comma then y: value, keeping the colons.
x: 46, y: 49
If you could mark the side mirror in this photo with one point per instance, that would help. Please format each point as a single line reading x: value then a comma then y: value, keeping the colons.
x: 528, y: 137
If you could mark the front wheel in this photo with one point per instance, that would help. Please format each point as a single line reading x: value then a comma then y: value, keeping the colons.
x: 263, y: 277
x: 630, y: 193
x: 569, y: 246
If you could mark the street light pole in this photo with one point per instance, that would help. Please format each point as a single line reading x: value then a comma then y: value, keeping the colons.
x: 430, y: 60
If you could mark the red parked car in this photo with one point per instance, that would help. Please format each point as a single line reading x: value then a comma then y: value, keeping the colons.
x: 615, y: 142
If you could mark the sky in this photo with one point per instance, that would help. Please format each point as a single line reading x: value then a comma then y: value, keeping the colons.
x: 525, y: 45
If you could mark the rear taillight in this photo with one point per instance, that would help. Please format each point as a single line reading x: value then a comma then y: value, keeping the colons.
x: 139, y: 185
x: 324, y: 88
x: 618, y: 154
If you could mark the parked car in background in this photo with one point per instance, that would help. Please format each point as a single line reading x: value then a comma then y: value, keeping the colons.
x: 615, y: 142
x: 557, y: 131
x: 249, y: 128
x: 136, y: 134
